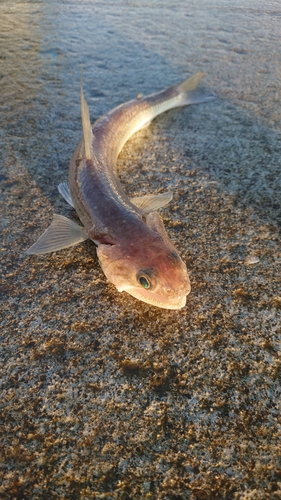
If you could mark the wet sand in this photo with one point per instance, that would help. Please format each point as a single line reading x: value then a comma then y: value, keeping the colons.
x: 102, y: 396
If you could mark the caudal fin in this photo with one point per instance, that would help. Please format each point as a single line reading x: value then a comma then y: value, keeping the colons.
x: 189, y: 92
x: 191, y: 83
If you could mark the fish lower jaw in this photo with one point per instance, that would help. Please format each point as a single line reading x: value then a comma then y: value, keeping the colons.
x: 155, y: 300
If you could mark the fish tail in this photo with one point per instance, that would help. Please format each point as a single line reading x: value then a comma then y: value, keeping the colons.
x: 191, y: 83
x: 188, y: 92
x: 86, y: 125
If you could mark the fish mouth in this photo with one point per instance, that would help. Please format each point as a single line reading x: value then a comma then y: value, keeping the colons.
x: 156, y: 299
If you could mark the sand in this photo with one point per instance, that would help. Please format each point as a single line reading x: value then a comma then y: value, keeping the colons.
x: 102, y: 396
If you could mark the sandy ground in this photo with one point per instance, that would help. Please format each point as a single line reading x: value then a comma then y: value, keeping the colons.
x: 102, y: 396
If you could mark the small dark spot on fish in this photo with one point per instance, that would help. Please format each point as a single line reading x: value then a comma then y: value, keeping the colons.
x: 78, y: 161
x: 174, y: 256
x: 149, y: 271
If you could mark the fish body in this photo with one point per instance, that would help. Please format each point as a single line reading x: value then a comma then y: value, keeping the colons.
x: 133, y: 247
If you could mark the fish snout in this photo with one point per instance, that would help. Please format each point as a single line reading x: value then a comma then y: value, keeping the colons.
x: 180, y: 290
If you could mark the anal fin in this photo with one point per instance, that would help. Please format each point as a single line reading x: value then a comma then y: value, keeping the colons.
x: 62, y: 233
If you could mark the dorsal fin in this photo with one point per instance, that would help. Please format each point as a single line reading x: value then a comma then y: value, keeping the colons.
x: 86, y: 124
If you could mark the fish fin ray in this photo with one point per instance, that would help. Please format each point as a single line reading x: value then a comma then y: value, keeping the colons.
x: 189, y: 92
x: 154, y: 221
x: 62, y: 233
x: 190, y: 84
x: 86, y: 124
x: 195, y: 97
x: 63, y: 189
x: 152, y: 202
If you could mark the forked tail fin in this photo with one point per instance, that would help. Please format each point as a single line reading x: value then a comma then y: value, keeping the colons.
x: 189, y: 92
x: 191, y: 83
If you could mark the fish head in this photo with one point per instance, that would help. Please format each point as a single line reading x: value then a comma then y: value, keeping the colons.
x: 149, y: 269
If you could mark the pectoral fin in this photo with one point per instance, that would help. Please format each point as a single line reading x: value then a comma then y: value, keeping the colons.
x: 65, y: 193
x: 155, y: 223
x: 62, y: 233
x: 152, y: 202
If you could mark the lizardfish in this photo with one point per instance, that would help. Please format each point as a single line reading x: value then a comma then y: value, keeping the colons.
x: 133, y: 248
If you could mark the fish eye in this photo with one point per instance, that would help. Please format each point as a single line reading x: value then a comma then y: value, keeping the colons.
x: 144, y: 282
x: 145, y: 278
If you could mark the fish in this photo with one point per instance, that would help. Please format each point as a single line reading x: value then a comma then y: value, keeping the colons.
x: 133, y: 247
